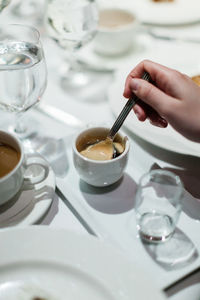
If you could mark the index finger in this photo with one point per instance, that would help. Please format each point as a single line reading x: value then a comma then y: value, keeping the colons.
x: 158, y: 73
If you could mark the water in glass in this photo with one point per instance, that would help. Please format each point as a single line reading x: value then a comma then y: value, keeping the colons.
x: 22, y: 75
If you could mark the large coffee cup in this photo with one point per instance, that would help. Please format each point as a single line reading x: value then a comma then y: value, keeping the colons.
x: 13, y: 166
x: 116, y: 31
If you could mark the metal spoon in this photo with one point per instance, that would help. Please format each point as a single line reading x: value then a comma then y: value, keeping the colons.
x: 108, y: 142
x: 123, y: 115
x: 125, y: 111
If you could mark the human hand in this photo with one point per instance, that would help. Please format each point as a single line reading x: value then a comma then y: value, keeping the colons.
x: 172, y: 98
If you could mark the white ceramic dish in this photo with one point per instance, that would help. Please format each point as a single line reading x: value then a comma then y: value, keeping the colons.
x: 89, y: 57
x: 70, y: 266
x: 99, y: 173
x: 166, y: 138
x: 30, y: 204
x: 166, y: 13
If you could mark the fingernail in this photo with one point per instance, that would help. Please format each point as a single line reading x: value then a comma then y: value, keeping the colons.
x: 162, y: 122
x: 137, y: 115
x: 134, y: 84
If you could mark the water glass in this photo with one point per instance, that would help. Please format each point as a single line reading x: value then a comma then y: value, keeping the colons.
x: 23, y: 73
x: 158, y: 205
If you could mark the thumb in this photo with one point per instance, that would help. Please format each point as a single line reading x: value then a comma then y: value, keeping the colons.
x: 150, y: 94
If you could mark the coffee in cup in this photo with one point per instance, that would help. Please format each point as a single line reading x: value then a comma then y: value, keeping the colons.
x: 94, y: 171
x: 9, y: 158
x: 115, y: 18
x: 116, y: 31
x: 13, y: 165
x: 102, y: 147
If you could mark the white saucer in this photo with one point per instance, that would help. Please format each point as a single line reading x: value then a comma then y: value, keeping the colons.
x: 88, y: 56
x: 30, y: 204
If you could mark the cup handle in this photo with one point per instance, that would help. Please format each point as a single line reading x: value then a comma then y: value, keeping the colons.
x: 36, y: 161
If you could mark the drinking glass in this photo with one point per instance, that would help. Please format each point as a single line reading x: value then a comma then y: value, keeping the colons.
x: 72, y: 24
x: 158, y: 205
x: 23, y: 74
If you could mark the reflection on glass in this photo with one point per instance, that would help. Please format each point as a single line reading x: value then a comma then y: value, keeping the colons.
x: 158, y: 205
x: 177, y: 253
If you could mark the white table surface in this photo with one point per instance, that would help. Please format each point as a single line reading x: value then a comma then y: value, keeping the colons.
x: 62, y: 213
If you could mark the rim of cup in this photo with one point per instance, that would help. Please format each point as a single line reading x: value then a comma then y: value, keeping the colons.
x: 127, y: 147
x: 122, y: 27
x: 21, y: 154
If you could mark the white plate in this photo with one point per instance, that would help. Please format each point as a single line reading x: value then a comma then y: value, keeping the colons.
x: 166, y: 13
x: 69, y: 266
x: 166, y: 138
x: 30, y: 204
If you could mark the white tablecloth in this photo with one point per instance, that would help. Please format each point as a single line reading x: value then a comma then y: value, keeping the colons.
x: 64, y: 213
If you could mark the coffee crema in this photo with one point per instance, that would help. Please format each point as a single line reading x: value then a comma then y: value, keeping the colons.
x: 103, y: 150
x: 9, y: 158
x: 114, y: 18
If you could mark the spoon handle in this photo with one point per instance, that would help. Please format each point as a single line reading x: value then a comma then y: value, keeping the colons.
x: 125, y: 111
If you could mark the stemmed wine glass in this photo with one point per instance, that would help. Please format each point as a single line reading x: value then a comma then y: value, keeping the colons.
x: 72, y: 24
x: 23, y: 73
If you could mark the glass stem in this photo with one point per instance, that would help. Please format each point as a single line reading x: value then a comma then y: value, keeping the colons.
x: 19, y: 126
x: 74, y: 66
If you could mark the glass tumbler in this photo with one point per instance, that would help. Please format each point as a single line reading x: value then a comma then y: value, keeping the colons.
x: 158, y: 205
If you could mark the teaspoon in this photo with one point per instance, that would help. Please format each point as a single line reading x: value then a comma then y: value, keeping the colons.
x: 106, y: 149
x: 125, y: 111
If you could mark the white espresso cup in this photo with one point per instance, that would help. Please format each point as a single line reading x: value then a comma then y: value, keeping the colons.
x: 116, y: 31
x: 94, y: 172
x: 12, y: 181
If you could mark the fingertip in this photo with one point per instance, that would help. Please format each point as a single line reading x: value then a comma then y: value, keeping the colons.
x: 160, y: 122
x: 140, y: 114
x: 126, y: 94
x: 134, y: 84
x: 141, y: 118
